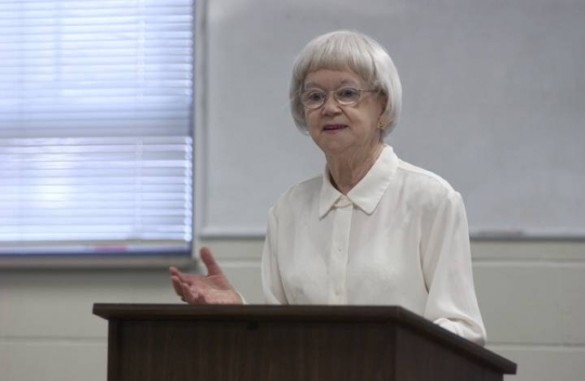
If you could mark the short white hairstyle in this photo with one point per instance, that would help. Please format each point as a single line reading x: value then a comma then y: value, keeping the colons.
x: 347, y: 50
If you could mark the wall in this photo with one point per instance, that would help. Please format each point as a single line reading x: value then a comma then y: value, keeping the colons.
x: 531, y: 296
x: 492, y: 101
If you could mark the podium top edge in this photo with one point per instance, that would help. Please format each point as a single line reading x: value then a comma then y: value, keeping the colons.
x: 261, y: 312
x: 247, y: 312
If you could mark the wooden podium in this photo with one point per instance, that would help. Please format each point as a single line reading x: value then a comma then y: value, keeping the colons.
x: 282, y: 343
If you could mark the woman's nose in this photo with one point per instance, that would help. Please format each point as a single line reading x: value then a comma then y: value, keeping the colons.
x: 330, y: 106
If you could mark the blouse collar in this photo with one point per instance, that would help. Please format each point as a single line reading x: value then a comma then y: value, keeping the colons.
x: 366, y: 194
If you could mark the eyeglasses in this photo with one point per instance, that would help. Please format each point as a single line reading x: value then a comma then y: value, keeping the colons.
x: 345, y: 96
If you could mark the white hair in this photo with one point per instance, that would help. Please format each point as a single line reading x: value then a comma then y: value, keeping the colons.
x: 347, y: 50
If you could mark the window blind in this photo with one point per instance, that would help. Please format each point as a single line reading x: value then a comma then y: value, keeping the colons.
x: 96, y: 111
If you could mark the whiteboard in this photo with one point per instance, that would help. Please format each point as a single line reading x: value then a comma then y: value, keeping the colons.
x: 494, y: 102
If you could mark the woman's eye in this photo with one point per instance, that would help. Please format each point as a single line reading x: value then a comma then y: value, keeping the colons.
x: 348, y: 93
x: 314, y: 96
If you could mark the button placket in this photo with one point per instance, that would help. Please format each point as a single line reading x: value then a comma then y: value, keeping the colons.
x: 339, y: 250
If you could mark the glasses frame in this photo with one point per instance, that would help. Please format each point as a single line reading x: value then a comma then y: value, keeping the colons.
x: 328, y: 94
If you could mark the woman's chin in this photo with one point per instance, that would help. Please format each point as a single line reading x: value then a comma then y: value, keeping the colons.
x: 334, y: 146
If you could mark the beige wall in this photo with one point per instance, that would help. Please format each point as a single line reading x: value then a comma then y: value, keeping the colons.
x: 530, y: 293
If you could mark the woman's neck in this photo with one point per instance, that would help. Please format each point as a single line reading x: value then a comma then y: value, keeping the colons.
x: 346, y: 170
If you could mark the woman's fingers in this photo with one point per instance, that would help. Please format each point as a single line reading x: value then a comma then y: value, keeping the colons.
x: 207, y: 258
x: 177, y: 280
x: 188, y: 295
x: 177, y: 285
x: 178, y: 274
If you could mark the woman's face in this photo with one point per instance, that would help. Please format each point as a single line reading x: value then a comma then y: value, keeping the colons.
x: 338, y: 128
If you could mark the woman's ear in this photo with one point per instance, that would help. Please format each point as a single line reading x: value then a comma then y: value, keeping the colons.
x: 383, y: 101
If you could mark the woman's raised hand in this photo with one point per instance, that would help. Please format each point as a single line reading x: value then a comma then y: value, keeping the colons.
x: 211, y: 289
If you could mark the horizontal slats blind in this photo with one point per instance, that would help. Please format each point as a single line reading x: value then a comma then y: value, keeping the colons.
x: 96, y: 101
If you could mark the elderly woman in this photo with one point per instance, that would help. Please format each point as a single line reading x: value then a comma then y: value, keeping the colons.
x: 373, y: 229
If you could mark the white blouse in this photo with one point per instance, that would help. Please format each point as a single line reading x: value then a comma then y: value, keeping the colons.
x: 399, y: 237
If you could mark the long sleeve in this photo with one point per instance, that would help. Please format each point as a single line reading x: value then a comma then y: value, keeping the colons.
x: 446, y: 262
x: 271, y: 280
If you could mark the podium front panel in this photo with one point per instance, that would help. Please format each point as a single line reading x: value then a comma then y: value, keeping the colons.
x: 288, y: 343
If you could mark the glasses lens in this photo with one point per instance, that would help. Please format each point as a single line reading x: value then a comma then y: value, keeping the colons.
x: 347, y: 95
x: 313, y: 98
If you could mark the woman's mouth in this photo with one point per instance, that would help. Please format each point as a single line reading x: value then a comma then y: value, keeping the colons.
x: 332, y: 128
